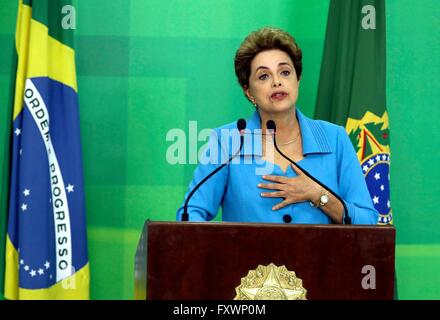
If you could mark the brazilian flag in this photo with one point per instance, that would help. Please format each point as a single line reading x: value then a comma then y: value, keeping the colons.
x: 46, y: 245
x: 352, y: 90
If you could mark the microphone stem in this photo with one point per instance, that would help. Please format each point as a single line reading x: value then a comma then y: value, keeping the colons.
x: 346, y: 219
x: 185, y: 216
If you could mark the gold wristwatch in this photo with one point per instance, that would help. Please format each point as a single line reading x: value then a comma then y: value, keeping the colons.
x: 323, y: 199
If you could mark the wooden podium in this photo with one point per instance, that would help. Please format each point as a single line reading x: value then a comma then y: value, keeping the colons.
x: 206, y: 261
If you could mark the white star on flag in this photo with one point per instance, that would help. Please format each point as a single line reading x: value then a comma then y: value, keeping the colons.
x: 21, y: 261
x: 26, y: 192
x: 21, y: 152
x: 376, y: 200
x: 40, y: 271
x: 33, y: 273
x: 26, y: 268
x: 70, y: 188
x: 382, y: 187
x: 365, y: 168
x: 378, y: 158
x: 47, y: 265
x: 17, y: 132
x: 24, y: 207
x: 377, y: 176
x: 371, y: 162
x: 388, y: 203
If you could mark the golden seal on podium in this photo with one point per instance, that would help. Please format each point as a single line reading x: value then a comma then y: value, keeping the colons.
x: 270, y: 283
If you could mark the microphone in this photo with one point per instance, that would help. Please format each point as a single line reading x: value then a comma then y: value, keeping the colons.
x: 270, y: 124
x: 241, y: 125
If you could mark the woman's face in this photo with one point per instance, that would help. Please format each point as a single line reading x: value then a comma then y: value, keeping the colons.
x: 273, y: 84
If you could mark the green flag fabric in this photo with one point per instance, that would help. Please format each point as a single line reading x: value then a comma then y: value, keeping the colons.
x: 352, y: 90
x: 4, y: 175
x: 5, y: 143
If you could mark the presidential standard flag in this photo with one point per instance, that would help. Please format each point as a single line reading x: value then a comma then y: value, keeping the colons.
x: 352, y: 90
x: 46, y: 249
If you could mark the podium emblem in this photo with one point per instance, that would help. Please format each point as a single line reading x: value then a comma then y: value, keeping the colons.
x: 270, y: 283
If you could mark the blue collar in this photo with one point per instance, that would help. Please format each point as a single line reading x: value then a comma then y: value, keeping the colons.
x: 314, y: 139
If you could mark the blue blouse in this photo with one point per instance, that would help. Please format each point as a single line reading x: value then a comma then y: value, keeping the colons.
x: 329, y: 156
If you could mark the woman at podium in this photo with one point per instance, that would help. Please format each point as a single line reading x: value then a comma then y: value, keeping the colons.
x: 261, y: 183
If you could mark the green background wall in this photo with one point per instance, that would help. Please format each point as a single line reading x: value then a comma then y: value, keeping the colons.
x: 145, y: 67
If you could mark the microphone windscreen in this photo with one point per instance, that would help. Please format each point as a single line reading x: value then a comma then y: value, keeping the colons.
x: 270, y: 124
x: 241, y: 124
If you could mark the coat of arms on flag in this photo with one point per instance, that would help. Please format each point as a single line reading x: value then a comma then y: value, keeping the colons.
x: 370, y: 138
x: 352, y: 90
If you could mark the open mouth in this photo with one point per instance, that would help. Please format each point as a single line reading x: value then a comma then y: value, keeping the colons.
x: 279, y: 95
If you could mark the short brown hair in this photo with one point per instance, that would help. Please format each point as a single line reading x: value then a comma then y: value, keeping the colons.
x: 261, y: 40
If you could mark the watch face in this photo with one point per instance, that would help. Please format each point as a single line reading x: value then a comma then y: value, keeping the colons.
x: 324, y: 199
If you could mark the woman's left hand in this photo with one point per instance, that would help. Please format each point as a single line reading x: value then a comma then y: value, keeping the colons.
x: 293, y: 190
